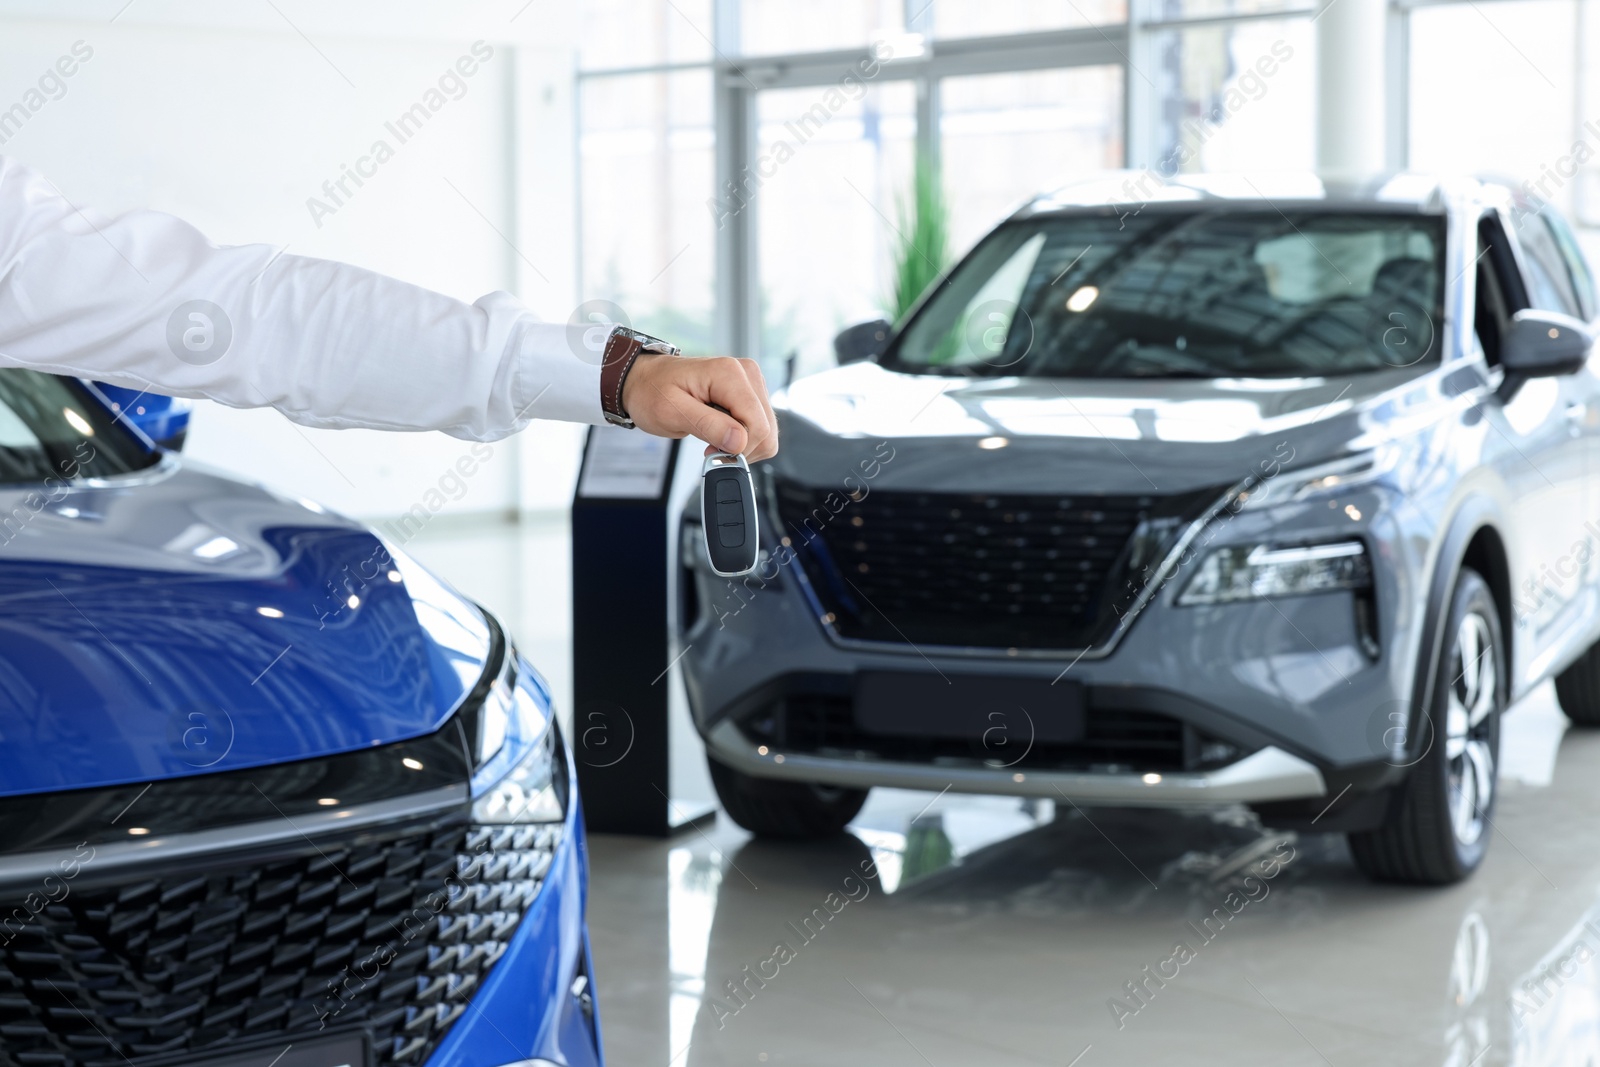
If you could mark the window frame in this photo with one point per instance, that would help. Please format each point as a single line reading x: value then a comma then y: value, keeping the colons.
x: 1131, y: 46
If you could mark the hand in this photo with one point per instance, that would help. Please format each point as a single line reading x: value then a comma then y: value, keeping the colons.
x: 672, y: 396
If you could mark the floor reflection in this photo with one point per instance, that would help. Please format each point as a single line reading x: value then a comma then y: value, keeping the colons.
x: 1555, y: 1005
x: 955, y: 930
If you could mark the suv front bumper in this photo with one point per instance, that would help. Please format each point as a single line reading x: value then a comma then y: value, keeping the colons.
x: 1267, y: 774
x: 1291, y: 683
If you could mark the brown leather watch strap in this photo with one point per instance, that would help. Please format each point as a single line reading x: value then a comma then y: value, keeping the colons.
x: 622, y: 350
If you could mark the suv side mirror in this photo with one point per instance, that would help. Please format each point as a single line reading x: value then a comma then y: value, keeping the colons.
x: 1540, y: 344
x: 864, y: 340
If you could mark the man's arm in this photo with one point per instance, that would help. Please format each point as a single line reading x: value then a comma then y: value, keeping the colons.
x: 147, y: 302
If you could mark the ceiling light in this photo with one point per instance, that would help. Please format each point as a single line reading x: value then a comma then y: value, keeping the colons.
x: 77, y: 422
x: 271, y: 613
x: 888, y: 45
x: 1152, y: 779
x: 138, y: 831
x: 414, y: 764
x: 1080, y: 300
x: 992, y: 443
x: 329, y: 802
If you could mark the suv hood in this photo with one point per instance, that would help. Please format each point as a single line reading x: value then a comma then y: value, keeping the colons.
x: 1114, y: 436
x: 180, y: 622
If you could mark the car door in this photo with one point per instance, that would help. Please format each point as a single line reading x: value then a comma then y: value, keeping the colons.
x: 1542, y: 457
x: 1559, y: 280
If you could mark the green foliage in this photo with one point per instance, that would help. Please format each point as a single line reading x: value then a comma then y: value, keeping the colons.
x: 922, y: 246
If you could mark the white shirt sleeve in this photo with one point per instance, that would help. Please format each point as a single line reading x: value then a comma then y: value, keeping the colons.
x: 146, y: 302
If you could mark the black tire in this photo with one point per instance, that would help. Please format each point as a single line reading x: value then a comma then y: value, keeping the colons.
x: 1438, y: 831
x: 1578, y: 688
x: 793, y: 811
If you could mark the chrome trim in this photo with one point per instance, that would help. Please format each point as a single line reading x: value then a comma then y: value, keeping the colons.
x: 162, y: 469
x: 1268, y: 774
x: 724, y: 459
x: 216, y: 843
x: 1164, y: 573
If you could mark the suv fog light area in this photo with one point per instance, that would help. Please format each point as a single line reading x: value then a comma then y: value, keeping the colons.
x: 1250, y: 572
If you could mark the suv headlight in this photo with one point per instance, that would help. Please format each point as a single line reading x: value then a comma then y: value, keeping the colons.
x: 520, y: 766
x: 1249, y: 572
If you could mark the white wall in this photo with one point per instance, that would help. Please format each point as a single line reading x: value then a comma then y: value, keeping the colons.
x: 232, y: 115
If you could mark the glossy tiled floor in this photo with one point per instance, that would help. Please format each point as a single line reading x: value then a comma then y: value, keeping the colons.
x: 975, y: 931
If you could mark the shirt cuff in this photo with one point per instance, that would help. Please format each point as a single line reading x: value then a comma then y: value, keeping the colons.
x: 556, y: 377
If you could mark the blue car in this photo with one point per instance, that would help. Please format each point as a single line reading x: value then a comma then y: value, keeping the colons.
x: 271, y: 795
x: 163, y: 419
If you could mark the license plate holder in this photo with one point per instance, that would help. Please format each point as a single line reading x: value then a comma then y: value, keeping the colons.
x: 970, y: 707
x: 340, y: 1050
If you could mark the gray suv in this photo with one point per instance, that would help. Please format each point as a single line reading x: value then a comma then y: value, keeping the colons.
x: 1261, y: 489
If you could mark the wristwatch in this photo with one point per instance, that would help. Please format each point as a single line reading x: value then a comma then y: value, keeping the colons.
x: 623, y: 348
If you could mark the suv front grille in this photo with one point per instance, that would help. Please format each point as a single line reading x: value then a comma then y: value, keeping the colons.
x: 391, y: 936
x: 981, y: 570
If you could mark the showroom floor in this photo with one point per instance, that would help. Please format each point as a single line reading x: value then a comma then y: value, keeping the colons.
x: 993, y: 931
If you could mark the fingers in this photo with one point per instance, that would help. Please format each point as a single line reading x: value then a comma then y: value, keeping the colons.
x: 730, y: 386
x: 722, y: 401
x: 725, y: 432
x: 769, y: 443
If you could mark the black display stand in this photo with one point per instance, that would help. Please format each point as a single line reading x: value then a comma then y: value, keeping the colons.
x: 620, y: 637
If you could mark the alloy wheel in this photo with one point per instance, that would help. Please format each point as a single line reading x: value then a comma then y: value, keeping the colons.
x: 1469, y: 725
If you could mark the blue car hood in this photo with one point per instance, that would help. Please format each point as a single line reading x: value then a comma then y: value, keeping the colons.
x: 181, y: 622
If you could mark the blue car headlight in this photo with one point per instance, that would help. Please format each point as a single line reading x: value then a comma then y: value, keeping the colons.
x: 1250, y: 572
x: 521, y: 767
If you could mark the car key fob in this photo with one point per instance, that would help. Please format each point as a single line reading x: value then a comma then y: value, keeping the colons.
x: 728, y: 514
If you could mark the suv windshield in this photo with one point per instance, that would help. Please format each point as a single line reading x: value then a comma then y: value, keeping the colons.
x: 1187, y: 293
x: 52, y: 427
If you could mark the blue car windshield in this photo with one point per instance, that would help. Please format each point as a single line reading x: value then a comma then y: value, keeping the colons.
x: 52, y: 427
x: 1187, y: 292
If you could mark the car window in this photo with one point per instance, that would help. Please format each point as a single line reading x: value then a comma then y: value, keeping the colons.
x: 53, y: 427
x: 1487, y: 311
x: 985, y: 322
x: 1499, y: 291
x: 1576, y: 263
x: 1186, y: 292
x: 1549, y: 285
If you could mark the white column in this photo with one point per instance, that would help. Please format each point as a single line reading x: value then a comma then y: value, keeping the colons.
x: 1351, y: 54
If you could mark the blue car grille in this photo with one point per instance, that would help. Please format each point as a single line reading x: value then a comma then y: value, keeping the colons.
x: 390, y: 936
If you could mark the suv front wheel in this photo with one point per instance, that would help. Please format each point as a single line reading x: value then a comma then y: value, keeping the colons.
x: 769, y: 807
x: 1439, y: 826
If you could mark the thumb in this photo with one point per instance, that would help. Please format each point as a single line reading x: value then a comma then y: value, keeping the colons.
x: 722, y: 431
